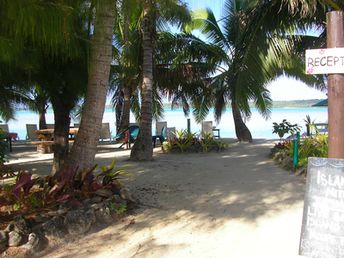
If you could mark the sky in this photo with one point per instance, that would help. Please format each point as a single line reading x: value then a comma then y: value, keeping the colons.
x: 280, y: 89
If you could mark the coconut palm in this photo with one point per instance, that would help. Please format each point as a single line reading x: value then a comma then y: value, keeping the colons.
x: 84, y: 149
x: 126, y: 72
x: 252, y: 50
x: 155, y: 12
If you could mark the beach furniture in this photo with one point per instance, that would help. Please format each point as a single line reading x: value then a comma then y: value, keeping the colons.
x: 321, y: 128
x: 207, y: 128
x: 31, y: 132
x: 45, y: 139
x: 9, y: 136
x: 160, y: 132
x: 128, y: 136
x: 162, y: 136
x: 4, y: 127
x: 158, y: 127
x: 105, y: 132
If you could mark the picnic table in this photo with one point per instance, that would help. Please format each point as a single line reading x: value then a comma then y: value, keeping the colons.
x: 46, y: 139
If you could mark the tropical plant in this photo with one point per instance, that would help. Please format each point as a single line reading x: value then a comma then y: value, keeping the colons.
x: 190, y: 142
x: 71, y: 186
x: 241, y: 75
x: 285, y: 127
x: 143, y: 149
x: 312, y: 147
x: 252, y: 49
x: 309, y: 124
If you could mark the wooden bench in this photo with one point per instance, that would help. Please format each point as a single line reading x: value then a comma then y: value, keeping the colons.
x: 44, y: 146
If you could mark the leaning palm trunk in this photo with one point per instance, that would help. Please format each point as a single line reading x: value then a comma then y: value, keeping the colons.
x: 143, y: 148
x: 125, y: 114
x: 241, y: 130
x: 85, y: 146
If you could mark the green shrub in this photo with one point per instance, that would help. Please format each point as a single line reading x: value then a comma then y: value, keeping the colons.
x: 313, y: 147
x: 285, y: 128
x: 190, y: 142
x: 316, y: 146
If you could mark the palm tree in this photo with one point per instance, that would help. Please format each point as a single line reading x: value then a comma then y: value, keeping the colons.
x: 248, y: 58
x: 171, y: 11
x: 143, y: 148
x: 126, y: 72
x: 84, y: 149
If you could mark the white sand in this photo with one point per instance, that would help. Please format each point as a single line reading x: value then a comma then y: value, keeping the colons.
x: 232, y: 204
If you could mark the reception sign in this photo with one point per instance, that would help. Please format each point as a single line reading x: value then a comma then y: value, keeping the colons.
x: 325, y: 61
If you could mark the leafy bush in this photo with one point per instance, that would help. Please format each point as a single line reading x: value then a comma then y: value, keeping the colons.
x: 313, y: 147
x: 71, y: 186
x: 190, y: 142
x: 285, y: 128
x: 316, y: 146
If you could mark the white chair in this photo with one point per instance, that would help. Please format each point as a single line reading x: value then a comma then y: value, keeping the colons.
x: 207, y: 128
x: 105, y: 132
x: 132, y: 124
x: 159, y: 125
x: 4, y: 127
x: 31, y: 132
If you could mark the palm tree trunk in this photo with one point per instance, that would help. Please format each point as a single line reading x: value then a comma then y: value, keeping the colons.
x: 42, y: 121
x: 143, y: 148
x: 241, y: 130
x: 85, y: 146
x: 118, y: 112
x: 125, y: 115
x: 61, y: 133
x: 125, y: 112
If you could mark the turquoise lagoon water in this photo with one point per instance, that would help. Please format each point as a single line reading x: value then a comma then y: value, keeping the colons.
x: 259, y: 127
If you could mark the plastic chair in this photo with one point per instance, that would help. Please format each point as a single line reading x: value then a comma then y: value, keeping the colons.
x: 31, y: 132
x: 158, y: 127
x: 161, y: 137
x: 4, y: 127
x: 128, y: 136
x: 105, y: 132
x: 207, y: 128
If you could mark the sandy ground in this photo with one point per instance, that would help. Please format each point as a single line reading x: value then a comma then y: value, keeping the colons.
x: 232, y: 204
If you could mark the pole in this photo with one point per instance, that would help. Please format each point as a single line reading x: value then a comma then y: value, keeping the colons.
x: 335, y: 38
x: 296, y: 151
x: 189, y: 125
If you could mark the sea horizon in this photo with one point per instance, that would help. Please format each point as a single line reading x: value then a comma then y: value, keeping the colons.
x: 259, y: 127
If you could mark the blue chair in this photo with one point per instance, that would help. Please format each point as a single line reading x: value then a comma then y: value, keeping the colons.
x: 133, y: 133
x: 162, y: 137
x: 128, y: 136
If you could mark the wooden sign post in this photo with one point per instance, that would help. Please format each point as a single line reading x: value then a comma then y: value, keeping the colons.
x: 331, y: 61
x: 322, y: 233
x: 335, y: 39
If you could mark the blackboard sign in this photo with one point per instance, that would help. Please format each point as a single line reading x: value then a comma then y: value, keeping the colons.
x: 322, y: 233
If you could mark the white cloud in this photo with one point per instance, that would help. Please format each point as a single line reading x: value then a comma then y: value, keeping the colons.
x: 285, y: 88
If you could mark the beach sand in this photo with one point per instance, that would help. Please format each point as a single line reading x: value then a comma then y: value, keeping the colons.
x: 235, y: 204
